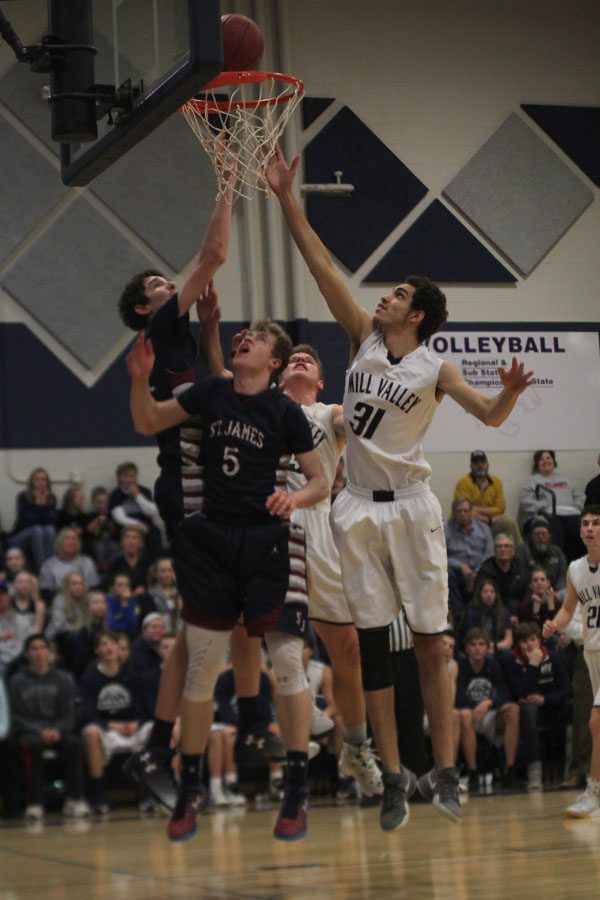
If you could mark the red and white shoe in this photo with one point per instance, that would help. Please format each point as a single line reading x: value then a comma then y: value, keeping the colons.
x: 183, y: 823
x: 291, y: 824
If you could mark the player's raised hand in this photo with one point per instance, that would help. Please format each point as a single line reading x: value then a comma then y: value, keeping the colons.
x: 278, y: 174
x: 516, y: 379
x: 140, y: 359
x: 207, y: 304
x: 280, y: 503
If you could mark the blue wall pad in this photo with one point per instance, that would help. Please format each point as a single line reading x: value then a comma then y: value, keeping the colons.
x: 576, y: 130
x: 386, y: 191
x: 53, y: 408
x: 70, y: 279
x: 439, y: 246
x: 31, y: 187
x: 312, y: 107
x: 519, y: 194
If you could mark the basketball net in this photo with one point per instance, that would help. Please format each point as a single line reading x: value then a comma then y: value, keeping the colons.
x: 239, y: 129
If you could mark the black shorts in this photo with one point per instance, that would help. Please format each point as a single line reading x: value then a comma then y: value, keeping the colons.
x: 168, y: 496
x: 226, y: 570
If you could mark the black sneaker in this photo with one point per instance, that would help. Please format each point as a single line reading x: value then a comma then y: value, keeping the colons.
x: 473, y: 782
x: 258, y: 747
x: 152, y: 769
x: 398, y: 787
x: 509, y: 778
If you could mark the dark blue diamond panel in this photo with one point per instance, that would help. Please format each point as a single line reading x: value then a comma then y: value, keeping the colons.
x: 312, y: 107
x: 385, y: 189
x: 576, y: 130
x: 439, y: 246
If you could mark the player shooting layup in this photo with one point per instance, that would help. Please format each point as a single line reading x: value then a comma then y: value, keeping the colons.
x: 386, y: 523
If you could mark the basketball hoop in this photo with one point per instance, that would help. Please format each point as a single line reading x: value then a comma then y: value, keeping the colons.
x: 239, y: 129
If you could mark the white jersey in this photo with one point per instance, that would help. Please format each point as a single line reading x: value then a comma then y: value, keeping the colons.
x: 320, y: 419
x: 388, y: 407
x: 586, y: 582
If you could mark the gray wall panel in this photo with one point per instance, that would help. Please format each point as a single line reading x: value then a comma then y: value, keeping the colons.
x: 519, y: 193
x: 164, y: 189
x: 30, y: 188
x: 70, y: 279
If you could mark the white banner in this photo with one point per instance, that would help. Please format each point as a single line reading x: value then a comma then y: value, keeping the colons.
x: 561, y: 410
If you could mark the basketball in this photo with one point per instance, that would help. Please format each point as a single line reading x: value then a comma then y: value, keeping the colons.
x: 243, y: 43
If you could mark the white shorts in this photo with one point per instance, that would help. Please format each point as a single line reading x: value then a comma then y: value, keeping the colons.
x: 592, y: 661
x: 393, y: 557
x: 112, y: 742
x: 326, y: 598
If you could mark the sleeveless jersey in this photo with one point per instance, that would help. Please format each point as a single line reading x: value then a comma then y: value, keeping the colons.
x: 320, y: 419
x: 586, y: 583
x: 246, y: 446
x: 388, y: 406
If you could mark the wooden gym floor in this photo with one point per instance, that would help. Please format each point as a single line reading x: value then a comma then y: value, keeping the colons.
x: 517, y: 846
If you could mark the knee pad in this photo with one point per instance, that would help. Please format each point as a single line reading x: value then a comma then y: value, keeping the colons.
x: 375, y: 658
x: 285, y: 652
x: 206, y: 651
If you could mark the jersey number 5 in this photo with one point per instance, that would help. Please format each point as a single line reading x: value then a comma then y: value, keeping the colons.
x: 231, y: 463
x: 366, y: 419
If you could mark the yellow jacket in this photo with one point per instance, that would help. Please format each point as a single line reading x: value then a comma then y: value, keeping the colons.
x: 492, y: 496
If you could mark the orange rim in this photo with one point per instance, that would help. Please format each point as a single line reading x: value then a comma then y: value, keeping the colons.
x: 227, y: 79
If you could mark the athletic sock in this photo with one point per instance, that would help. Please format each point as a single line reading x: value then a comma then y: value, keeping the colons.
x: 248, y: 712
x: 161, y: 734
x: 97, y: 790
x: 191, y: 771
x: 355, y: 734
x: 297, y: 769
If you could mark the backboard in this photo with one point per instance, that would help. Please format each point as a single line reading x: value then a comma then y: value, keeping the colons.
x: 156, y: 54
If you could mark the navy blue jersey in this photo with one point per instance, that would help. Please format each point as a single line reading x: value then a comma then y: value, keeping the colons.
x: 176, y: 354
x: 246, y: 445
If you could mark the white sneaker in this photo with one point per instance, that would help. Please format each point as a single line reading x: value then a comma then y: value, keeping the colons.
x: 534, y: 777
x: 34, y: 812
x: 219, y: 797
x: 76, y: 809
x: 586, y: 806
x: 359, y: 762
x: 321, y: 725
x: 234, y: 795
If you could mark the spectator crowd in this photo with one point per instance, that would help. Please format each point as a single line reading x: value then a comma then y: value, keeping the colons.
x: 89, y: 609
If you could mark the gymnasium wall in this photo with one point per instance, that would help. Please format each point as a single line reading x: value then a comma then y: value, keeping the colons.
x: 420, y: 104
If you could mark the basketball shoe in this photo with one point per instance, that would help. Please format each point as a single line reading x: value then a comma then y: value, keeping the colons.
x: 291, y: 821
x: 440, y: 787
x: 587, y: 805
x: 358, y: 761
x: 183, y: 823
x: 398, y: 788
x: 152, y: 769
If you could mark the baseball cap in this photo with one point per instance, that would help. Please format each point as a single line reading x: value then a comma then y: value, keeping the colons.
x: 538, y: 522
x: 151, y: 617
x: 478, y: 454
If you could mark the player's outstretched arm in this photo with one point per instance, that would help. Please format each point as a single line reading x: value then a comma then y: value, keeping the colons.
x: 209, y: 316
x: 489, y: 410
x: 213, y: 251
x: 282, y: 503
x: 355, y: 320
x: 149, y: 417
x: 565, y: 613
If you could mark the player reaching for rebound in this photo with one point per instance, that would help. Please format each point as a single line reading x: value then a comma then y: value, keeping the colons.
x: 386, y: 522
x: 240, y: 555
x: 151, y: 302
x: 583, y: 587
x: 328, y: 609
x: 302, y: 380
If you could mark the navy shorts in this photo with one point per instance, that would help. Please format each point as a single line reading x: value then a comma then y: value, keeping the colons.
x: 259, y: 571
